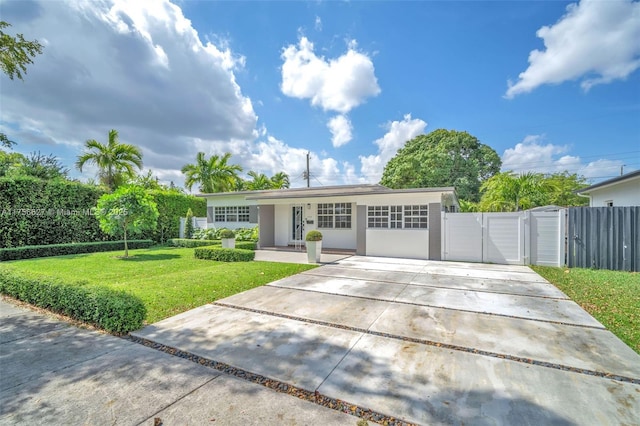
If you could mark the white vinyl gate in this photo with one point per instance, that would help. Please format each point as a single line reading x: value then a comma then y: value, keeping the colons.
x: 506, y: 238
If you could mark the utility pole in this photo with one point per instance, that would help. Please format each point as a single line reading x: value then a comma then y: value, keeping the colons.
x: 621, y: 170
x: 307, y: 174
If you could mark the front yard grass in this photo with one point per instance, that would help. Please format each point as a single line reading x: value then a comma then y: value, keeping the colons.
x: 612, y: 297
x: 169, y: 280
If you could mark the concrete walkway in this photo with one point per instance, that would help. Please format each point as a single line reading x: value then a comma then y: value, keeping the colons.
x: 426, y: 342
x: 52, y: 373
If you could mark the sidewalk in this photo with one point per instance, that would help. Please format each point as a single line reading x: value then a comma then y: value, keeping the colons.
x: 53, y: 373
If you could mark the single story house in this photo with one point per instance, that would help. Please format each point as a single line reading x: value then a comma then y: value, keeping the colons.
x: 621, y: 191
x: 369, y: 219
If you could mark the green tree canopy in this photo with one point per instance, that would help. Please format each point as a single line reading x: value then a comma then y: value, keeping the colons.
x: 213, y: 174
x: 563, y: 186
x: 16, y: 53
x: 35, y: 164
x: 126, y: 212
x: 259, y: 181
x: 280, y: 181
x: 115, y: 160
x: 511, y: 192
x: 508, y: 192
x: 443, y: 158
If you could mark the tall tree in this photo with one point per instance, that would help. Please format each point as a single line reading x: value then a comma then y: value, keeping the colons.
x: 508, y: 192
x: 213, y: 175
x: 43, y: 166
x: 563, y: 186
x: 126, y: 212
x: 443, y: 158
x: 280, y: 181
x: 115, y: 160
x: 259, y: 181
x: 15, y: 54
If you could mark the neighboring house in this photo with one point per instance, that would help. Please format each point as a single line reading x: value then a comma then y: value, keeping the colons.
x: 369, y: 219
x: 620, y: 191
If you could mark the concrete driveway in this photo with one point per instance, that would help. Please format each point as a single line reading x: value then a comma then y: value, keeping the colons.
x: 422, y: 341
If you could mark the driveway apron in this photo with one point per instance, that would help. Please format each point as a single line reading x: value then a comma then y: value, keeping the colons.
x: 422, y: 341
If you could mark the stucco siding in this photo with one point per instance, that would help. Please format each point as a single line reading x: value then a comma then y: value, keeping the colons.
x: 624, y: 194
x: 409, y: 243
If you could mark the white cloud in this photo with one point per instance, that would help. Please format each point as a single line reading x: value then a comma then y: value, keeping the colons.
x: 339, y: 84
x: 595, y: 40
x: 399, y: 132
x: 340, y: 128
x: 138, y: 67
x: 534, y: 155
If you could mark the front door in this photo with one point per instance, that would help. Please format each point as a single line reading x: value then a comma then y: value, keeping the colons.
x: 297, y: 224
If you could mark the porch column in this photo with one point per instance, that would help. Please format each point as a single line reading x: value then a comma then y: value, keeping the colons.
x: 435, y: 232
x: 266, y: 226
x: 361, y: 230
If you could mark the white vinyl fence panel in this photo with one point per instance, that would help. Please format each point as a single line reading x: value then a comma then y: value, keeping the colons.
x: 462, y: 237
x: 519, y: 238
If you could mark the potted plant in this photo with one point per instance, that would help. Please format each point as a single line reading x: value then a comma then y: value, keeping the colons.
x: 228, y: 238
x: 314, y: 246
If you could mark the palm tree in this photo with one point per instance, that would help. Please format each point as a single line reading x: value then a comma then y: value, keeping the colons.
x: 115, y: 160
x: 510, y: 192
x: 213, y: 175
x: 280, y: 181
x: 259, y: 181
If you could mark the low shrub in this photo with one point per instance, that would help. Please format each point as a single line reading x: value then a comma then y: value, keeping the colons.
x: 314, y: 236
x: 245, y: 245
x: 226, y: 233
x: 111, y: 310
x: 184, y: 242
x: 246, y: 234
x: 224, y: 254
x: 242, y: 234
x: 30, y: 252
x: 205, y: 234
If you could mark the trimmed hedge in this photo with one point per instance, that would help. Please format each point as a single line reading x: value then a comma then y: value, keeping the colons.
x: 224, y: 254
x: 30, y: 252
x: 173, y: 205
x: 189, y: 243
x: 185, y: 242
x: 114, y: 311
x: 246, y: 245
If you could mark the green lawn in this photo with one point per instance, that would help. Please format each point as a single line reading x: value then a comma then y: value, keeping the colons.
x: 169, y: 280
x: 612, y: 297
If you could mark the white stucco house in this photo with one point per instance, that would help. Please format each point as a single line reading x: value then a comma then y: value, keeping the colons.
x: 621, y: 191
x: 369, y: 219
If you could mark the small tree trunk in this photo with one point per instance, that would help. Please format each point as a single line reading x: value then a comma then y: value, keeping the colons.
x: 126, y: 247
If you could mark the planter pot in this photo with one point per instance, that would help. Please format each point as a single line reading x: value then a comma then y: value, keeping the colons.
x: 314, y: 248
x: 229, y: 243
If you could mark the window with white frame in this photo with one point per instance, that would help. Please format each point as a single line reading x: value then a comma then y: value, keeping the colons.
x: 398, y: 217
x: 232, y: 214
x: 334, y: 215
x: 378, y: 216
x: 416, y: 216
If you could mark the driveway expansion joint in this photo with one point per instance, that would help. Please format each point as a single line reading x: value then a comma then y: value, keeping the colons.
x: 273, y: 384
x: 524, y: 360
x: 394, y: 300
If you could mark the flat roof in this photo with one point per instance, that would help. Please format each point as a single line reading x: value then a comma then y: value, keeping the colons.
x: 325, y: 191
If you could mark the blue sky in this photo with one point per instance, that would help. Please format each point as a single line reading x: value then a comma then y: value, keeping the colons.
x: 549, y: 85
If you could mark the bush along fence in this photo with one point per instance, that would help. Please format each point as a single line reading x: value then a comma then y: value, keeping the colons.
x: 114, y: 311
x: 30, y: 252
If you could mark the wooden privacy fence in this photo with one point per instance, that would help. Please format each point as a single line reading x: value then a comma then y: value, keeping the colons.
x: 604, y: 238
